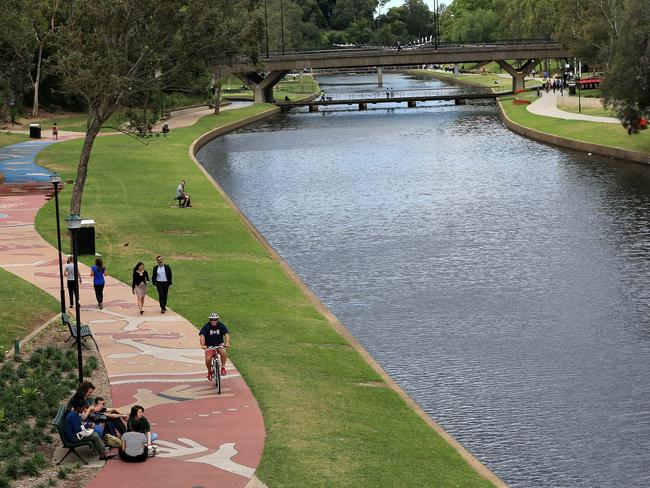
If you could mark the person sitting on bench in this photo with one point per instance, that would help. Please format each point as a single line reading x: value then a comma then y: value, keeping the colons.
x: 183, y: 197
x: 74, y: 431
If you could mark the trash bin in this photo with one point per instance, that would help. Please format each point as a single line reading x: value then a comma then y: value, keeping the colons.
x: 34, y: 131
x: 86, y: 238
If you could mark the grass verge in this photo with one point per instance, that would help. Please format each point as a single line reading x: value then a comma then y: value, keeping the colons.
x: 330, y: 419
x: 613, y: 135
x: 7, y: 138
x: 23, y: 307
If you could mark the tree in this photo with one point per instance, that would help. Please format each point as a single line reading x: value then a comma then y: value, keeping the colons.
x: 32, y: 26
x: 113, y: 50
x: 626, y: 87
x: 591, y: 28
x: 528, y: 19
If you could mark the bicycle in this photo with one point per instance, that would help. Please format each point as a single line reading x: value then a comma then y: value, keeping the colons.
x: 216, y: 366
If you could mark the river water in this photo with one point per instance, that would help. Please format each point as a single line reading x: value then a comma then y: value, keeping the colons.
x: 510, y: 276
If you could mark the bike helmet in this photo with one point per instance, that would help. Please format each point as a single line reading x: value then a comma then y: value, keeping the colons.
x: 214, y: 316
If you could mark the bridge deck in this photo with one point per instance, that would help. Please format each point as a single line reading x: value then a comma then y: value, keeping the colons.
x: 375, y: 97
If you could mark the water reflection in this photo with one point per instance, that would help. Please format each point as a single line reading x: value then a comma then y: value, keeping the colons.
x: 513, y: 275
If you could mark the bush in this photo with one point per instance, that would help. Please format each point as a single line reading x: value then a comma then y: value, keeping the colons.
x: 4, y: 482
x: 12, y: 468
x: 30, y: 467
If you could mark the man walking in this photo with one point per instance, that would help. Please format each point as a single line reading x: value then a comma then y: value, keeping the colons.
x: 161, y: 276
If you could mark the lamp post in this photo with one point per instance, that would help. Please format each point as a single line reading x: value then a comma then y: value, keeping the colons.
x: 266, y: 30
x: 55, y: 179
x: 74, y: 223
x: 282, y: 23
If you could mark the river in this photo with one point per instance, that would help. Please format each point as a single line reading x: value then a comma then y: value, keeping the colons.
x: 503, y: 283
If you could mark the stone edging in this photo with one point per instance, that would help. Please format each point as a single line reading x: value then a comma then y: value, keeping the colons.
x: 480, y: 468
x: 10, y: 352
x: 614, y: 152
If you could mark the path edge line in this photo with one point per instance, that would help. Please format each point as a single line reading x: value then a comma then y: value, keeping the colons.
x: 195, y: 147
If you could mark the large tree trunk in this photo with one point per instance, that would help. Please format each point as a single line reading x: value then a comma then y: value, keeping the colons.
x: 82, y: 170
x: 37, y: 81
x: 217, y: 98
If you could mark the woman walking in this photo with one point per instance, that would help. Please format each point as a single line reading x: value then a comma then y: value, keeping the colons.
x: 73, y: 291
x: 139, y: 284
x: 98, y: 272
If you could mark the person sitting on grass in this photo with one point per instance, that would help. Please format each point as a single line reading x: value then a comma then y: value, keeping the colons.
x: 182, y: 196
x: 134, y: 447
x: 74, y: 431
x: 136, y: 415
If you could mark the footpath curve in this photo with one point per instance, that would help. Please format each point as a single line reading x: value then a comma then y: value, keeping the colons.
x: 151, y: 360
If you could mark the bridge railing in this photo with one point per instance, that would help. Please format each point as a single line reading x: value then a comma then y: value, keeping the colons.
x: 412, y: 93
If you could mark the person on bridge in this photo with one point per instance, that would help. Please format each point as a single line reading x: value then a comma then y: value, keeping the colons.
x: 213, y: 334
x: 322, y: 95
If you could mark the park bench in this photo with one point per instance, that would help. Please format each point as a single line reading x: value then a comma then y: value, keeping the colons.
x: 85, y: 331
x: 59, y: 424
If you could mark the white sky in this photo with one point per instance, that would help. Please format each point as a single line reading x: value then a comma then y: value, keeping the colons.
x: 397, y: 3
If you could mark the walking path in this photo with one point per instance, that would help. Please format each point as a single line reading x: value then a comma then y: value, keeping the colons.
x: 546, y: 105
x: 152, y: 360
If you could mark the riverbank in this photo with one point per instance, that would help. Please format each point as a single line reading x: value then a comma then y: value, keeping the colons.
x: 610, y: 140
x: 330, y: 418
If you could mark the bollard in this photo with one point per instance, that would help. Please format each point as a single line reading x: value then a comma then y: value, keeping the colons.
x: 16, y: 347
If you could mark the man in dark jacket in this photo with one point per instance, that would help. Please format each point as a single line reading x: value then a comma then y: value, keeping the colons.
x: 161, y: 277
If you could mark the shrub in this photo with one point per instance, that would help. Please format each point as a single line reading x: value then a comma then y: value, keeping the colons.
x: 12, y: 468
x: 39, y: 460
x: 30, y: 467
x: 4, y: 482
x: 51, y: 482
x: 62, y: 473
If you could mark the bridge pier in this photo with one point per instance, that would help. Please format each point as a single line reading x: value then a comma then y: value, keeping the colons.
x: 459, y: 101
x: 519, y: 75
x: 262, y: 85
x: 363, y: 106
x: 380, y: 77
x: 313, y: 108
x: 412, y: 104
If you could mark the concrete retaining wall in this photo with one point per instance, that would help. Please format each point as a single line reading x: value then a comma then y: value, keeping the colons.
x: 614, y: 152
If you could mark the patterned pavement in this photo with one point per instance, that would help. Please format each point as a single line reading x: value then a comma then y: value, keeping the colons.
x: 205, y: 439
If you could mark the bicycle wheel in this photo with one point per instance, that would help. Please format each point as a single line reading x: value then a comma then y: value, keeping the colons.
x: 217, y: 373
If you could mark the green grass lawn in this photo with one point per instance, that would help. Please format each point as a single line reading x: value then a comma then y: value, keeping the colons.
x: 7, y: 138
x: 74, y: 122
x: 290, y: 87
x: 599, y: 112
x: 23, y: 307
x: 613, y: 135
x: 330, y: 420
x: 490, y: 80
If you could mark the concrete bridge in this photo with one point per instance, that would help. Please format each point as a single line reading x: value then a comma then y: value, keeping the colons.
x: 262, y: 77
x: 410, y: 97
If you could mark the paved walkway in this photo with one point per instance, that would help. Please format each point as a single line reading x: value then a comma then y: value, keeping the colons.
x: 546, y: 105
x: 153, y: 360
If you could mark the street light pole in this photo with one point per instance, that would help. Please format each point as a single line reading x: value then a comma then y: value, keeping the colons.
x: 266, y: 30
x: 282, y: 22
x: 74, y: 223
x: 55, y: 179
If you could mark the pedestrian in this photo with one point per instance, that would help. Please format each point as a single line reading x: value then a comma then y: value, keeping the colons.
x: 73, y: 291
x: 55, y: 132
x: 139, y: 284
x: 98, y: 273
x: 161, y: 277
x: 322, y: 95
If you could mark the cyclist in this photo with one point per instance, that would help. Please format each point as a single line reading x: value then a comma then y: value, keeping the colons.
x: 212, y: 334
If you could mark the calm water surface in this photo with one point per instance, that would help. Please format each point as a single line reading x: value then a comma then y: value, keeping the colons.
x: 511, y: 276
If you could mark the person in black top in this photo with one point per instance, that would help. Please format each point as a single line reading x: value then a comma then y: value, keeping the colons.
x: 212, y: 334
x: 139, y: 284
x: 161, y: 277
